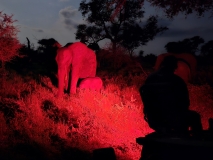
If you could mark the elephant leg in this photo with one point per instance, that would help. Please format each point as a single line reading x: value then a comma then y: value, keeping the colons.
x: 74, y: 80
x: 67, y: 78
x: 66, y: 81
x: 61, y: 76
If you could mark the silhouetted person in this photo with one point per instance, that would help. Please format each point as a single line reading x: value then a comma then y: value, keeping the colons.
x: 104, y: 154
x: 166, y: 101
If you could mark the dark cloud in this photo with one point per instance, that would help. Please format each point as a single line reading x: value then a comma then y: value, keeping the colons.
x: 187, y: 33
x: 68, y: 12
x: 67, y: 15
x: 70, y: 24
x: 182, y: 27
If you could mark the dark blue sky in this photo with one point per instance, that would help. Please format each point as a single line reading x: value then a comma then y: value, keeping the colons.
x: 38, y: 19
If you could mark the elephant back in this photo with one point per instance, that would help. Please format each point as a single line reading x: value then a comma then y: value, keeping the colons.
x: 84, y: 59
x: 89, y: 65
x: 188, y: 61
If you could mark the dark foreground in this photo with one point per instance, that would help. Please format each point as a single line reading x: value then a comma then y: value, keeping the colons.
x: 158, y: 147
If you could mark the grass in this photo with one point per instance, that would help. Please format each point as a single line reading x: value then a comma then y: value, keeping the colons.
x: 33, y: 120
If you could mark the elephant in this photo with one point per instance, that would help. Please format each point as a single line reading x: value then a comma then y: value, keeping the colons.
x: 187, y: 64
x: 93, y: 83
x: 74, y: 61
x: 183, y: 71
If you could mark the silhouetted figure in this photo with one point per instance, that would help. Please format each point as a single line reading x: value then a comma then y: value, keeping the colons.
x: 166, y: 101
x: 104, y: 154
x: 166, y: 109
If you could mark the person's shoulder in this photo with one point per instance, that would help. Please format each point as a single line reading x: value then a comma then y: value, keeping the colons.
x: 178, y: 77
x: 152, y: 75
x: 178, y: 80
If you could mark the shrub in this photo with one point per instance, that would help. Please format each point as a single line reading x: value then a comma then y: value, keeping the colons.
x: 9, y: 43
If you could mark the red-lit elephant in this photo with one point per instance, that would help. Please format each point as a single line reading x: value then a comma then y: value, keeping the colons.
x: 78, y: 58
x: 183, y: 71
x: 93, y: 83
x: 187, y: 64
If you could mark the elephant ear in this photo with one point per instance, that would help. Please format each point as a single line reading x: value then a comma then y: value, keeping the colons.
x: 64, y: 57
x: 89, y: 65
x: 184, y: 61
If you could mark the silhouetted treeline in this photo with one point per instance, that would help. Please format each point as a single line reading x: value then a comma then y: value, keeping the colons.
x: 196, y: 46
x: 40, y: 61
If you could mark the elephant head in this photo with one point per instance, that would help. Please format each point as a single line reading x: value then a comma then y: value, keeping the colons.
x: 78, y: 59
x: 93, y: 83
x: 187, y: 64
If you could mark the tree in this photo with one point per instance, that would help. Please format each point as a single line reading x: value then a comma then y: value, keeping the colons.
x: 47, y: 52
x: 89, y: 34
x: 188, y: 45
x: 207, y: 49
x: 206, y: 54
x: 46, y: 45
x: 174, y: 7
x: 135, y: 35
x: 9, y: 44
x: 173, y: 47
x: 123, y: 28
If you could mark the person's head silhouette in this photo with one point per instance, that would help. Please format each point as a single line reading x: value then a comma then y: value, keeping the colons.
x: 169, y: 63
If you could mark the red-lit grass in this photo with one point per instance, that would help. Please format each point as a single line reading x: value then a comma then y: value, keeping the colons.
x: 201, y: 100
x: 110, y: 118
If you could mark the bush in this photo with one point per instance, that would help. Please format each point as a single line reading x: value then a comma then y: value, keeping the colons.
x: 83, y: 122
x: 9, y: 43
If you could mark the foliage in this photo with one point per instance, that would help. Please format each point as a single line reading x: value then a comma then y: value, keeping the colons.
x: 74, y: 126
x: 149, y: 59
x: 90, y: 34
x: 207, y: 49
x: 47, y: 52
x: 46, y: 43
x: 188, y: 45
x: 36, y: 63
x: 134, y: 35
x: 173, y: 8
x: 9, y: 43
x: 124, y: 28
x: 119, y: 63
x: 86, y: 121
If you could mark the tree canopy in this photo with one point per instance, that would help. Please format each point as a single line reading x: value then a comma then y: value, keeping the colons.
x: 126, y: 28
x: 172, y: 8
x: 9, y: 43
x: 188, y: 45
x: 207, y: 49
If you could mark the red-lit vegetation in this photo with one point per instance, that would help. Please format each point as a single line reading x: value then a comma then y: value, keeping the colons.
x: 33, y: 118
x: 34, y: 124
x: 9, y: 43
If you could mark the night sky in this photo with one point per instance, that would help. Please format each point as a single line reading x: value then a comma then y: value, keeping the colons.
x: 38, y: 19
